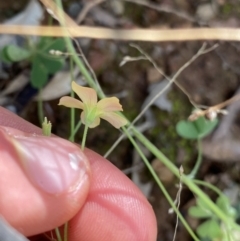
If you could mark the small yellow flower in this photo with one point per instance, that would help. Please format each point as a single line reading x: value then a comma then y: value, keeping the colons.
x: 93, y: 110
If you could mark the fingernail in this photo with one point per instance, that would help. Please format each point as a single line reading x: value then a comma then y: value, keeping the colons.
x: 52, y: 164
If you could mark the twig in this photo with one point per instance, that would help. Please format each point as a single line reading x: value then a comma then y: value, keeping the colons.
x: 178, y: 199
x: 87, y: 63
x: 127, y: 59
x: 151, y: 35
x: 86, y: 9
x: 223, y: 129
x: 165, y: 9
x: 154, y: 6
x: 137, y: 34
x: 212, y: 112
x: 51, y: 238
x: 147, y: 57
x: 200, y: 52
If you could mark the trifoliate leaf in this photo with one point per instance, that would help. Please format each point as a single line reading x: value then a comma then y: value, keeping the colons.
x: 195, y: 129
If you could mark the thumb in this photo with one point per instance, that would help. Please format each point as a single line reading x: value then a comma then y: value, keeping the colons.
x: 44, y: 181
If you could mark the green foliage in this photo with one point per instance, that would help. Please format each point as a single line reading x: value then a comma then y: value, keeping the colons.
x: 199, y: 212
x: 15, y: 53
x: 4, y: 57
x: 195, y: 129
x: 224, y: 204
x: 212, y: 227
x: 42, y: 62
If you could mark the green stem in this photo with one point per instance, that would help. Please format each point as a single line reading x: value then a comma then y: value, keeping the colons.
x: 186, y: 180
x: 84, y: 136
x: 40, y: 107
x: 65, y: 238
x: 198, y: 162
x: 208, y: 185
x: 46, y: 127
x: 72, y: 125
x: 158, y: 181
x: 59, y: 238
x: 75, y: 131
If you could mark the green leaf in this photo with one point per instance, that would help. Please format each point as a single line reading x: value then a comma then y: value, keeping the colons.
x: 43, y: 42
x: 15, y: 53
x: 195, y: 129
x: 202, y: 204
x: 39, y: 74
x: 4, y: 56
x: 52, y: 64
x: 224, y: 204
x: 56, y: 44
x: 199, y: 212
x: 209, y: 229
x: 187, y: 129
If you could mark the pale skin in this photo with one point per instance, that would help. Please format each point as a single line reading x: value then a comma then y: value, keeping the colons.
x: 107, y: 206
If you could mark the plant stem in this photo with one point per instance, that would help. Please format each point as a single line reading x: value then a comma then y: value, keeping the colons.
x: 186, y: 180
x: 198, y: 162
x: 75, y: 131
x: 158, y: 181
x: 71, y: 138
x: 46, y: 127
x: 208, y: 185
x: 59, y: 238
x: 40, y: 106
x: 84, y: 136
x: 65, y: 238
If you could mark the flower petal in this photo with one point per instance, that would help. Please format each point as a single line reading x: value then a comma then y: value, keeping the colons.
x: 87, y: 95
x: 95, y: 123
x: 70, y: 102
x: 115, y: 119
x: 109, y: 104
